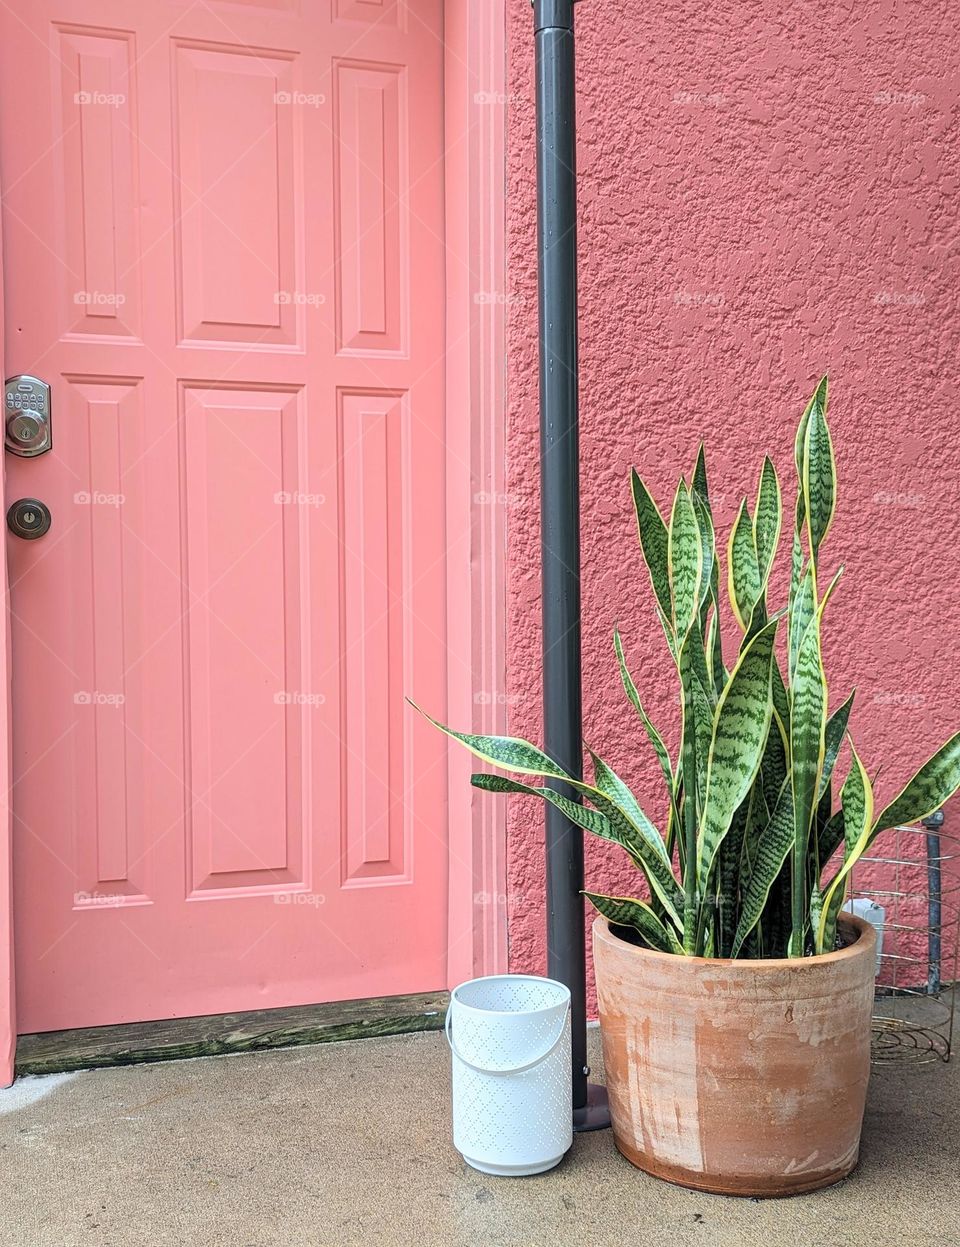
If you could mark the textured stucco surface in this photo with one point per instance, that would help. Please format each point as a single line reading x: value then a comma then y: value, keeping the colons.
x: 766, y: 193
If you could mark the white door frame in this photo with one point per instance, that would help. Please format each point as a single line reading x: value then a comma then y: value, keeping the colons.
x: 476, y: 146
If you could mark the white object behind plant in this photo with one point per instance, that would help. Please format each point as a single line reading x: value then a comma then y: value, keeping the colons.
x: 870, y: 911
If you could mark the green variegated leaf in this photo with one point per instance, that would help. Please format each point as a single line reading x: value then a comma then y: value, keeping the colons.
x: 611, y: 785
x: 833, y: 738
x: 804, y: 608
x: 624, y: 911
x: 645, y: 844
x: 714, y: 648
x: 816, y: 907
x: 829, y: 912
x: 590, y: 820
x: 773, y: 764
x: 617, y: 826
x: 653, y: 735
x: 773, y: 931
x: 856, y: 801
x: 697, y: 717
x: 718, y: 673
x: 708, y: 548
x: 685, y: 561
x: 703, y: 732
x: 819, y: 470
x: 653, y: 542
x: 796, y: 571
x: 741, y: 723
x: 696, y: 655
x: 807, y: 730
x: 728, y: 874
x: 758, y: 619
x: 767, y: 520
x: 773, y: 849
x: 698, y: 484
x: 667, y: 627
x: 659, y: 873
x: 936, y: 782
x: 832, y: 836
x: 821, y: 816
x: 804, y: 605
x: 743, y: 574
x: 781, y: 698
x: 503, y: 751
x: 760, y: 813
x: 689, y: 772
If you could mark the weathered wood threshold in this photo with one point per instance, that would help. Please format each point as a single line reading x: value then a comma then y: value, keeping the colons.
x: 179, y: 1038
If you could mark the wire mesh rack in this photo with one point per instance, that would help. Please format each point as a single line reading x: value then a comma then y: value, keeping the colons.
x: 909, y: 887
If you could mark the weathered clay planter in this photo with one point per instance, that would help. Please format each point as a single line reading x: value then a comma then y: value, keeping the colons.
x: 738, y: 1077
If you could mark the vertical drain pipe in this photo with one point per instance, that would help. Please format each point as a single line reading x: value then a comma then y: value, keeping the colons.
x: 560, y: 518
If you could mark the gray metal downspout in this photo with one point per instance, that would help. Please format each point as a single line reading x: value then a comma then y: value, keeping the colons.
x: 560, y: 517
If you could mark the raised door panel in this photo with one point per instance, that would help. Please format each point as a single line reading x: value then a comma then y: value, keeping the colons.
x: 236, y: 186
x: 102, y: 524
x: 374, y: 447
x: 243, y: 594
x: 372, y: 236
x: 96, y: 142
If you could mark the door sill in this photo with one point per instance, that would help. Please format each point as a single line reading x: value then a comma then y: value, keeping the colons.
x: 177, y: 1039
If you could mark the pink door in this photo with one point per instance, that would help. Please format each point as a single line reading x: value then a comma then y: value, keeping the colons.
x: 223, y: 249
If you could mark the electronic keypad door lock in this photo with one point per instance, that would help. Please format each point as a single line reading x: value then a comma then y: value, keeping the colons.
x: 27, y: 414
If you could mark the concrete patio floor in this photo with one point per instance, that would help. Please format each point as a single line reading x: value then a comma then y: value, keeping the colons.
x: 348, y: 1143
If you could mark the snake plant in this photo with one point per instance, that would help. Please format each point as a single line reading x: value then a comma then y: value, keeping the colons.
x: 756, y: 852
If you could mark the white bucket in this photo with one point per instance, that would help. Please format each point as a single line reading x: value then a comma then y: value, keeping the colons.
x: 510, y: 1039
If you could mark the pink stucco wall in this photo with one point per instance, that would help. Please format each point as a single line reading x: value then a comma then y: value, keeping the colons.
x: 767, y: 192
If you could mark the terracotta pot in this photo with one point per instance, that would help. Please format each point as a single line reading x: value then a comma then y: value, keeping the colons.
x: 738, y: 1077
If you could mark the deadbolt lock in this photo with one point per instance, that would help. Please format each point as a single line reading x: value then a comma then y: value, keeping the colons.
x: 28, y: 518
x: 27, y: 414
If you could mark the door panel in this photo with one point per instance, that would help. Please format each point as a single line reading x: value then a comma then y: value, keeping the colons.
x: 211, y: 218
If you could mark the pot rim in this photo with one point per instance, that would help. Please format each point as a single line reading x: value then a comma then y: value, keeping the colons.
x: 563, y: 1003
x: 863, y: 945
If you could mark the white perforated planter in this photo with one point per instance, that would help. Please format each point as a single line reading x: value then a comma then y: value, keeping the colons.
x: 510, y: 1039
